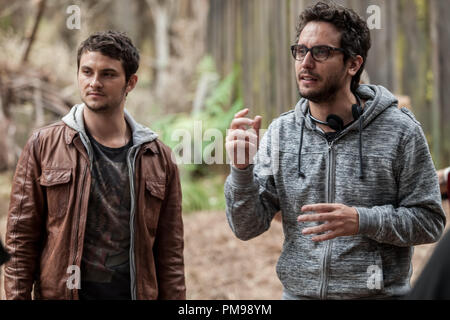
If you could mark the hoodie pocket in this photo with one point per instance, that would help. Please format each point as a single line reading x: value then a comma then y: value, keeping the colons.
x: 356, y: 274
x: 56, y: 183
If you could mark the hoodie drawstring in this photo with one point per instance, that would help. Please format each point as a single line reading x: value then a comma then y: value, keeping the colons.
x: 300, y: 173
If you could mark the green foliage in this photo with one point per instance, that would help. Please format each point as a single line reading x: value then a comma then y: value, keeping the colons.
x: 202, y: 194
x: 202, y: 186
x: 5, y: 23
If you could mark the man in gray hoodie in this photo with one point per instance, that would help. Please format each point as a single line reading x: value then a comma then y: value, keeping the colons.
x: 350, y: 172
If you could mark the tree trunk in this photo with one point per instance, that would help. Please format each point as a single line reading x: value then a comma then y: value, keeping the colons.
x: 161, y: 17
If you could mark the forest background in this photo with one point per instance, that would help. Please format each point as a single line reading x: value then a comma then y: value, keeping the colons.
x: 203, y: 60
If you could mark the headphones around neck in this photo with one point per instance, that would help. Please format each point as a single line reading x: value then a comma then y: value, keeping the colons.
x: 335, y: 122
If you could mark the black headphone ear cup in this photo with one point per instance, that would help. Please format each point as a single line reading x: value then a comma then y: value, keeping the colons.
x: 335, y: 122
x: 356, y: 111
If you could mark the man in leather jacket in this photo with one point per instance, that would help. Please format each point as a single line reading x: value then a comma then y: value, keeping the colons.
x: 95, y: 210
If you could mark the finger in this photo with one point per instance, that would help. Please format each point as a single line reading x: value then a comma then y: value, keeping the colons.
x: 241, y: 123
x: 239, y: 144
x: 316, y: 217
x: 319, y: 229
x: 321, y: 207
x: 240, y: 151
x: 236, y: 134
x: 239, y: 134
x: 237, y: 151
x: 256, y: 126
x: 241, y: 113
x: 327, y: 236
x: 257, y: 123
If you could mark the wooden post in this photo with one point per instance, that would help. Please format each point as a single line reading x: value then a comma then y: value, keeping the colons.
x: 435, y: 107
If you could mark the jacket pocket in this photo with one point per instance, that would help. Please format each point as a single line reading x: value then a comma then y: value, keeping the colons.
x: 154, y: 198
x: 57, y: 188
x: 156, y: 188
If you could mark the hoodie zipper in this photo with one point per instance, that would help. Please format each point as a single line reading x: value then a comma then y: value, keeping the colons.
x: 330, y: 199
x: 331, y: 174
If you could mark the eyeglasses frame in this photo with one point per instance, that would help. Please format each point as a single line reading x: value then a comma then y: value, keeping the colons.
x: 294, y: 46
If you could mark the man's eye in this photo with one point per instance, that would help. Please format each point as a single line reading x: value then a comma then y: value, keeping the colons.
x: 322, y: 51
x: 302, y: 51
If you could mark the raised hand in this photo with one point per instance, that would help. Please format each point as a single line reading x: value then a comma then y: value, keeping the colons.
x: 243, y: 139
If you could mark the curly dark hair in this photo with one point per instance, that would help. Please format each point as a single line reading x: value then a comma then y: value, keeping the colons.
x: 355, y: 34
x: 114, y: 44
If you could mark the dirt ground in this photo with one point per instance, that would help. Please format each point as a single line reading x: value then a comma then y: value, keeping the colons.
x: 220, y: 266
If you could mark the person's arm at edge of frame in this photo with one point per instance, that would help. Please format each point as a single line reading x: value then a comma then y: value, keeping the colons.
x: 169, y: 241
x: 433, y: 282
x: 24, y: 225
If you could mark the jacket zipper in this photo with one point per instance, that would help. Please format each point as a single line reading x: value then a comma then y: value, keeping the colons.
x: 132, y: 213
x: 78, y: 223
x: 330, y: 199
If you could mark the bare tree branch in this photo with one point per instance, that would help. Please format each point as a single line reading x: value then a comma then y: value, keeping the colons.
x: 37, y: 20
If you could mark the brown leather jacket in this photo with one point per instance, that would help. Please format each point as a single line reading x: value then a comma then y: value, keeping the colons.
x: 48, y: 209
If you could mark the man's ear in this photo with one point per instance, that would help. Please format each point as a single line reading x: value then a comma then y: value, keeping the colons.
x: 354, y: 65
x: 131, y: 83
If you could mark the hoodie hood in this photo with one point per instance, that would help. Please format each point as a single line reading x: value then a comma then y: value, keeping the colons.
x: 75, y: 120
x: 378, y: 99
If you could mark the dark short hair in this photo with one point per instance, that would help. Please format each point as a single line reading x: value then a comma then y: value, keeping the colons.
x: 355, y: 34
x: 113, y: 44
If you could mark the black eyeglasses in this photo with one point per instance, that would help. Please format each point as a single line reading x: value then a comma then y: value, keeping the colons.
x: 319, y: 53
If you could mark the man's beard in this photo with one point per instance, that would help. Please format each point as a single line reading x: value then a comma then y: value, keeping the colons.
x: 102, y: 109
x: 326, y: 93
x: 107, y: 107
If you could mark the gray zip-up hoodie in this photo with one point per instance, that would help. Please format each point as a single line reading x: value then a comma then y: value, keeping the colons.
x: 381, y: 165
x: 140, y: 135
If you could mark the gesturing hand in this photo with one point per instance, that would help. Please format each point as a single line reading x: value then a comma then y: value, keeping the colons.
x: 242, y: 143
x: 340, y: 220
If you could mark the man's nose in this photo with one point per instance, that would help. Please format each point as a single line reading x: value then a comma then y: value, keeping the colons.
x: 95, y: 82
x: 308, y: 61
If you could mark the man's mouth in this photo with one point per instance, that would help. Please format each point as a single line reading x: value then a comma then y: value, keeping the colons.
x: 96, y: 94
x: 308, y: 78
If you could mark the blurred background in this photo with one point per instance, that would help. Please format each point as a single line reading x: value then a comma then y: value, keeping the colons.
x: 205, y: 60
